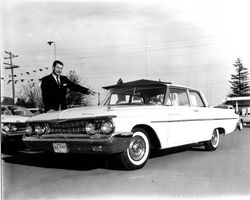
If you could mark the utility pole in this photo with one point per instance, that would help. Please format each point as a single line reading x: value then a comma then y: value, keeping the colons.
x: 11, y: 67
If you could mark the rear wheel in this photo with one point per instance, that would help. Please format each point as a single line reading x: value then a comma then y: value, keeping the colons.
x: 213, y: 143
x: 136, y: 155
x: 240, y: 125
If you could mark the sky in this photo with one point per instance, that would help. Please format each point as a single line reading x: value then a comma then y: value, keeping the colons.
x: 186, y: 42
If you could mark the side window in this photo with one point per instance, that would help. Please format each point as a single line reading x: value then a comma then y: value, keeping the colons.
x: 119, y: 99
x: 195, y: 99
x: 168, y: 99
x: 137, y: 100
x: 157, y: 99
x: 179, y: 97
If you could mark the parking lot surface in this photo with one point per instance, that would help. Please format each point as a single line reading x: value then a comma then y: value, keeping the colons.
x: 176, y: 173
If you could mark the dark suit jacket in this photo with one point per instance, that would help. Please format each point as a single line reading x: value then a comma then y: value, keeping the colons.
x: 53, y: 96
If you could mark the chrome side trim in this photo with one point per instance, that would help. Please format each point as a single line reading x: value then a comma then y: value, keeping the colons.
x: 188, y: 120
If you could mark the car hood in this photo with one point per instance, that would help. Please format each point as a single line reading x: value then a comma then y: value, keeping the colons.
x: 13, y: 119
x: 96, y: 112
x: 73, y: 113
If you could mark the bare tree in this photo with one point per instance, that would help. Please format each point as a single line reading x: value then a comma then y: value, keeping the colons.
x: 76, y: 98
x: 31, y: 94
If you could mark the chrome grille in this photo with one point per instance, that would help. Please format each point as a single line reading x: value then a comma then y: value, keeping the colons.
x: 21, y: 127
x: 67, y: 128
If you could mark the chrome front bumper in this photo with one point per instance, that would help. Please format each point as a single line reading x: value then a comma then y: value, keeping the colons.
x: 116, y: 143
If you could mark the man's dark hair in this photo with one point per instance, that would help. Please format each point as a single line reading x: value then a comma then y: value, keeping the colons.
x: 57, y: 62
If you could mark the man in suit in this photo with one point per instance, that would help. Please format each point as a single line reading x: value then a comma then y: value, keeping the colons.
x: 54, y: 88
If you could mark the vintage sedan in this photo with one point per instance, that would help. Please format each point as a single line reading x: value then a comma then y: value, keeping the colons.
x: 240, y: 124
x: 134, y: 118
x: 13, y: 126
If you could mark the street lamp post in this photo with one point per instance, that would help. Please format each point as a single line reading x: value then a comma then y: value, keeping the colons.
x: 50, y: 43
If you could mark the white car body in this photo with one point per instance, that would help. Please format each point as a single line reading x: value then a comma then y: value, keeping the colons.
x: 12, y: 114
x: 174, y: 125
x: 168, y: 124
x: 13, y: 119
x: 13, y: 125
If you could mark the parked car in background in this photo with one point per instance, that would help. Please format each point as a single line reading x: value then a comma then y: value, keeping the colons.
x: 36, y: 111
x: 242, y: 107
x: 135, y: 118
x: 245, y: 115
x: 238, y: 102
x: 13, y: 126
x: 240, y: 123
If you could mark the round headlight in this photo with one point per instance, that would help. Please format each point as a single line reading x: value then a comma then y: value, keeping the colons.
x: 6, y: 128
x: 90, y: 128
x: 39, y: 129
x: 107, y: 127
x: 29, y: 130
x: 13, y: 128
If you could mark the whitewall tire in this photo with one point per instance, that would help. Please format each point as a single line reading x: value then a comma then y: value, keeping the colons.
x: 240, y: 125
x: 136, y: 155
x: 213, y: 143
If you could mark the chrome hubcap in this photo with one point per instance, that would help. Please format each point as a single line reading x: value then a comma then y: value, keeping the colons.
x: 240, y: 125
x: 137, y: 148
x: 215, y: 139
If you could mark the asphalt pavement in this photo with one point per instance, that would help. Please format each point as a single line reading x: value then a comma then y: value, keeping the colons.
x: 187, y: 172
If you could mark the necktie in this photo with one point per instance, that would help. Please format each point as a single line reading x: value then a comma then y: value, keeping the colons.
x: 58, y: 81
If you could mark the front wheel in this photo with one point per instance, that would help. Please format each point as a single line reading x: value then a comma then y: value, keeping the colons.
x: 136, y: 155
x: 213, y: 143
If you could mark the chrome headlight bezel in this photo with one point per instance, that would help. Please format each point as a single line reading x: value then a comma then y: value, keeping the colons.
x: 39, y: 129
x: 107, y: 127
x: 8, y: 127
x: 90, y: 128
x: 13, y: 128
x: 29, y: 130
x: 5, y: 127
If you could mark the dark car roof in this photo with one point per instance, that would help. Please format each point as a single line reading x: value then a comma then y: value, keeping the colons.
x: 136, y: 83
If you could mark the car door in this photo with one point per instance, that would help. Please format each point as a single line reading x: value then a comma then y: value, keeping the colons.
x: 202, y: 121
x: 182, y: 118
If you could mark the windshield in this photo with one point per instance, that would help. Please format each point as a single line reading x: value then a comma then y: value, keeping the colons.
x: 16, y: 110
x: 141, y: 95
